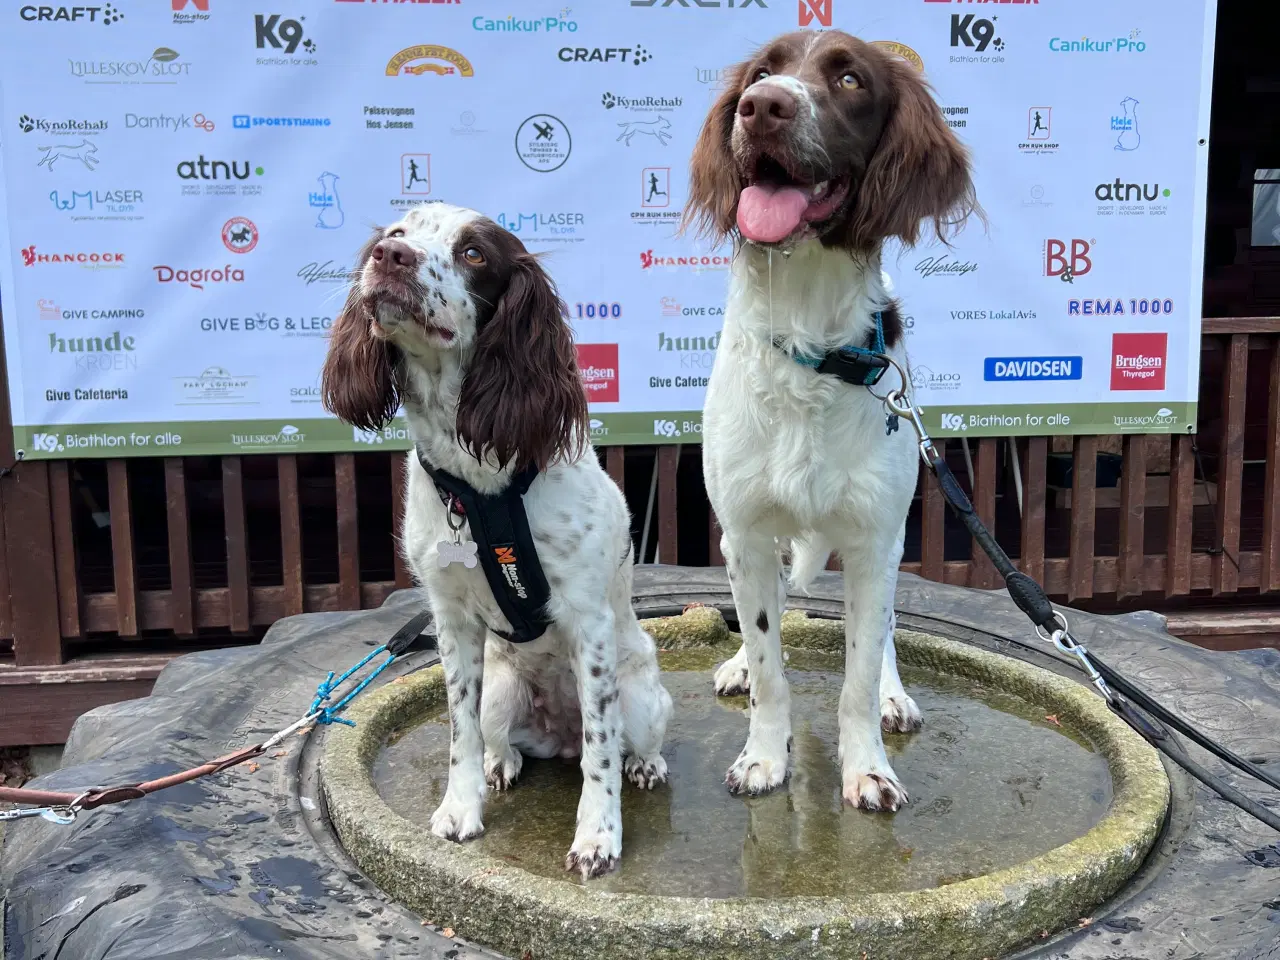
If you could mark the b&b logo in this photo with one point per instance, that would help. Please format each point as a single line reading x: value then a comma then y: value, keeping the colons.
x: 1067, y: 266
x: 954, y: 421
x: 975, y: 32
x: 665, y: 428
x: 1138, y: 360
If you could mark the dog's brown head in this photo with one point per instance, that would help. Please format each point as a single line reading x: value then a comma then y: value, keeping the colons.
x: 823, y: 135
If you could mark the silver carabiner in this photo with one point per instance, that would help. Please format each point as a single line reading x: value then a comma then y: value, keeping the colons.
x: 55, y: 813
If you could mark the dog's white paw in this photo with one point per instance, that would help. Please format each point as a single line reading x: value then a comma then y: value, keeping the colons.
x: 732, y: 678
x: 645, y: 772
x: 759, y: 770
x: 594, y: 853
x: 455, y: 820
x: 900, y: 715
x: 501, y: 772
x: 874, y: 790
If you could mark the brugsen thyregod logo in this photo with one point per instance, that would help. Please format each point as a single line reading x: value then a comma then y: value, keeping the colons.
x: 39, y: 13
x: 61, y: 127
x: 1128, y: 45
x: 275, y: 32
x: 1118, y: 307
x: 523, y: 25
x: 704, y: 4
x: 1138, y: 360
x: 1032, y: 368
x: 633, y: 55
x: 945, y: 266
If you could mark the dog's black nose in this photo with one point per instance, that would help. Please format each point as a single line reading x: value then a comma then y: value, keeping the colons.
x: 393, y: 254
x: 766, y: 109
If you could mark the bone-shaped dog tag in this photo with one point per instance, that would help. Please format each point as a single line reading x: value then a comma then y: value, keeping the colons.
x: 463, y: 553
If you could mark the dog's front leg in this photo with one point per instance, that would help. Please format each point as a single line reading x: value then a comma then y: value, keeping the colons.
x: 597, y: 842
x: 869, y: 781
x: 461, y: 642
x: 754, y: 575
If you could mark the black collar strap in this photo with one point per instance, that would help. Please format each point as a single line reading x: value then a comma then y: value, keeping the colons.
x: 860, y: 366
x: 500, y: 528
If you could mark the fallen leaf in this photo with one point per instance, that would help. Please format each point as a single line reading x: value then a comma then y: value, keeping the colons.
x: 253, y: 768
x: 1053, y: 718
x: 448, y: 932
x: 1044, y: 934
x: 280, y: 753
x: 1085, y: 921
x: 691, y: 606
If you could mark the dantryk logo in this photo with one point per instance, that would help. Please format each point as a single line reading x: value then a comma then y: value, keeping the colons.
x: 815, y: 11
x: 944, y: 266
x: 61, y: 127
x: 1130, y: 44
x: 640, y: 104
x: 95, y: 260
x: 245, y: 121
x: 1032, y: 368
x: 598, y: 366
x: 429, y: 58
x: 415, y: 173
x: 190, y: 11
x: 524, y: 25
x: 275, y: 32
x: 616, y: 55
x: 563, y: 227
x: 327, y: 202
x: 1138, y: 360
x: 106, y: 14
x: 1125, y: 126
x: 1068, y: 259
x: 167, y: 123
x: 85, y: 153
x: 1131, y: 199
x: 239, y: 235
x: 543, y: 143
x: 977, y: 34
x: 165, y: 65
x: 1118, y: 307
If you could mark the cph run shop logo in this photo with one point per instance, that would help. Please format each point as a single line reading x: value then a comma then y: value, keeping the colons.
x: 1138, y: 360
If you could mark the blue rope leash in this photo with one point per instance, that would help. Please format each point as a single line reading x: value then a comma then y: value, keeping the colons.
x: 329, y: 685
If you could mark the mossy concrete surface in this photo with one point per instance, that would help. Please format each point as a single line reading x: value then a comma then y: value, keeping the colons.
x: 492, y: 902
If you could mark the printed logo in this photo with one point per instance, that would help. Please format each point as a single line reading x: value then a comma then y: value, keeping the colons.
x: 923, y: 378
x: 327, y: 201
x: 215, y: 386
x: 221, y: 177
x: 196, y: 279
x: 694, y: 353
x: 1035, y: 197
x: 900, y: 51
x: 97, y: 260
x: 1032, y: 368
x: 190, y: 11
x: 1039, y: 139
x: 543, y: 143
x: 811, y: 10
x: 1130, y: 44
x: 1117, y: 308
x: 655, y: 187
x: 239, y: 235
x: 603, y: 310
x: 163, y: 66
x: 695, y: 263
x: 106, y: 14
x: 1138, y: 360
x: 286, y: 436
x: 659, y: 128
x: 85, y: 152
x: 98, y: 204
x: 429, y: 58
x: 1067, y: 265
x: 563, y: 227
x: 727, y: 4
x: 162, y: 121
x: 598, y: 365
x: 396, y: 124
x: 954, y: 421
x: 327, y: 272
x: 633, y: 55
x: 521, y: 25
x: 944, y: 266
x: 61, y: 127
x: 1131, y: 199
x: 245, y: 121
x: 415, y: 173
x: 274, y: 32
x: 96, y: 354
x: 640, y: 104
x: 975, y: 33
x: 50, y: 311
x: 1125, y: 126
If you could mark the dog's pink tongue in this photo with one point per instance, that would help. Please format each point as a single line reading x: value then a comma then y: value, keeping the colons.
x: 767, y: 214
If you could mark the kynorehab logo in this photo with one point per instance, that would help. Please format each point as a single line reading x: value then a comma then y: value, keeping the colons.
x: 275, y: 32
x: 634, y: 55
x: 105, y: 14
x: 1067, y: 264
x: 96, y: 260
x: 647, y: 104
x: 61, y: 127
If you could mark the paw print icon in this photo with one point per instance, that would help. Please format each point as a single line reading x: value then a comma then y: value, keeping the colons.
x: 26, y: 124
x: 998, y: 44
x: 309, y: 46
x: 609, y: 101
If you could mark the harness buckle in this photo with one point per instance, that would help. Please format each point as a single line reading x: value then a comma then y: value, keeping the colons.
x: 859, y: 369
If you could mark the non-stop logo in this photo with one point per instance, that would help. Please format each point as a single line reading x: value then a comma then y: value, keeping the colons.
x: 1138, y: 360
x: 510, y: 567
x: 1068, y: 259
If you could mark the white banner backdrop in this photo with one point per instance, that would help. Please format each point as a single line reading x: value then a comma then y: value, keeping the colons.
x: 184, y: 185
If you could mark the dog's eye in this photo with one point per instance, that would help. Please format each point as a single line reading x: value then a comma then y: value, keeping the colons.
x: 849, y: 81
x: 760, y: 75
x: 473, y: 256
x: 397, y: 232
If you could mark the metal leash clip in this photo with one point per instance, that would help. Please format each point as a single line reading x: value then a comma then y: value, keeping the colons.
x: 1062, y: 639
x: 63, y: 814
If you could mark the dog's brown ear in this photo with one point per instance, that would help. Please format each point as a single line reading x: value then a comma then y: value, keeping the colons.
x: 919, y: 171
x: 522, y: 400
x: 358, y: 382
x: 713, y: 179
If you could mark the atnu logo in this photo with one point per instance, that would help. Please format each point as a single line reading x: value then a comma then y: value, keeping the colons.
x: 1131, y: 192
x: 277, y: 33
x: 954, y: 421
x: 514, y: 24
x: 202, y: 169
x: 1129, y: 44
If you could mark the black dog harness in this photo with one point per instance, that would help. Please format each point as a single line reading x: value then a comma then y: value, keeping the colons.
x: 500, y: 528
x: 860, y: 366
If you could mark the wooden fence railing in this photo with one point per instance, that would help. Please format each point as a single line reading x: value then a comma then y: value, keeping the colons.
x: 110, y: 567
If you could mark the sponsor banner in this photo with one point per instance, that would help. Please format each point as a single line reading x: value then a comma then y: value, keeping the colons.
x: 186, y: 186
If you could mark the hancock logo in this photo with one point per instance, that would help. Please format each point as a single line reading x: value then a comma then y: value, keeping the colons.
x: 811, y: 10
x: 975, y: 33
x: 61, y: 126
x: 688, y: 4
x: 275, y: 32
x: 1129, y: 199
x: 695, y: 263
x: 163, y: 66
x: 288, y: 435
x: 634, y: 55
x: 1068, y: 259
x: 944, y: 266
x: 96, y: 260
x: 640, y: 104
x: 954, y: 421
x: 202, y: 169
x: 429, y: 58
x: 190, y: 11
x: 1138, y: 360
x: 923, y: 378
x: 196, y: 279
x: 1126, y: 45
x: 106, y: 14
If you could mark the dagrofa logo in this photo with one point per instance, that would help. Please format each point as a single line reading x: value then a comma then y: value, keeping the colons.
x: 274, y: 32
x: 106, y: 14
x: 1067, y: 264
